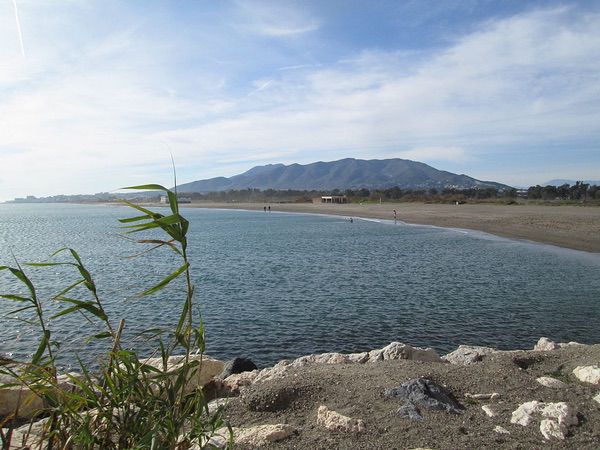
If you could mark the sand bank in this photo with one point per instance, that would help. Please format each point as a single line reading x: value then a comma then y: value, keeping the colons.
x: 574, y: 227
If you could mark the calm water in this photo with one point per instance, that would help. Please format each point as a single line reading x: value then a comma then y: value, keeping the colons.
x: 275, y: 286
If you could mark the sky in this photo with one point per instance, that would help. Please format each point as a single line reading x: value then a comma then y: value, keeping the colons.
x: 97, y: 95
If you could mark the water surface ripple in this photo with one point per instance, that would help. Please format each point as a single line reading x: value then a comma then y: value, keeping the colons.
x: 277, y: 285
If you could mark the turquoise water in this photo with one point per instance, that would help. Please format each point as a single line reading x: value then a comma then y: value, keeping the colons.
x: 278, y: 285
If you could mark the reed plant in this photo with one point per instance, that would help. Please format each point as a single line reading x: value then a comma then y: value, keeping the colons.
x: 124, y: 402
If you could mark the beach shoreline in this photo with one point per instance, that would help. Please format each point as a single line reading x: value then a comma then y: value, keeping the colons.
x: 568, y: 226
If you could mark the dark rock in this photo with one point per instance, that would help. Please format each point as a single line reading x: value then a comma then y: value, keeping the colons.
x: 425, y: 393
x: 237, y: 365
x: 410, y: 411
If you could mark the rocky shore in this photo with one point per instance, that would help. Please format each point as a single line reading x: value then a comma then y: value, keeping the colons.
x: 403, y: 397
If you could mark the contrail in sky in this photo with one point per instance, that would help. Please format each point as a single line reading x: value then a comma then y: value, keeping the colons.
x: 19, y: 27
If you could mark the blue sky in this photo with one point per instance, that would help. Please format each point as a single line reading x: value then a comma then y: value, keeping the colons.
x: 100, y: 92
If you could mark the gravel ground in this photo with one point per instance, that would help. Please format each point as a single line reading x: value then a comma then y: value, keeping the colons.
x: 356, y: 390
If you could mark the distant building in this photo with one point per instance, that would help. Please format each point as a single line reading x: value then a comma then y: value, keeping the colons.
x: 165, y: 200
x: 333, y: 199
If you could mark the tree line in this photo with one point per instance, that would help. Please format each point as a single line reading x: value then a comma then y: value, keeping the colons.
x: 578, y: 191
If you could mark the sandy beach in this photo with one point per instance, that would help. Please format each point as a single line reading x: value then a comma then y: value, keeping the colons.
x: 574, y: 227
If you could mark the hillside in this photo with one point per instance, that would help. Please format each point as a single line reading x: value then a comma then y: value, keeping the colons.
x: 346, y: 173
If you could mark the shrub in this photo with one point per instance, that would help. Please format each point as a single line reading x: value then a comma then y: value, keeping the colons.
x: 125, y: 402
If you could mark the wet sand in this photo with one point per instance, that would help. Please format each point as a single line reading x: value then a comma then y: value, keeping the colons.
x: 575, y: 227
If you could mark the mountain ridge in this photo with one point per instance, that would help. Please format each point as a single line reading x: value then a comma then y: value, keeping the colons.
x: 347, y: 173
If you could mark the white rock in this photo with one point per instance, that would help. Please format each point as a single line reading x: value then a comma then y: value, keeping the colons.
x: 337, y: 422
x: 199, y: 375
x: 523, y: 415
x: 551, y: 429
x: 561, y: 412
x: 260, y: 435
x: 215, y: 404
x: 398, y: 350
x: 468, y: 354
x: 235, y: 382
x: 26, y: 403
x: 551, y: 382
x: 492, y: 396
x: 597, y: 398
x: 545, y: 344
x: 588, y: 374
x: 359, y: 358
x: 570, y: 344
x: 491, y: 412
x: 501, y: 430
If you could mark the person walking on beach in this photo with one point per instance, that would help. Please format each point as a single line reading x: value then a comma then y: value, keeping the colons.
x: 265, y: 208
x: 395, y: 217
x: 269, y: 208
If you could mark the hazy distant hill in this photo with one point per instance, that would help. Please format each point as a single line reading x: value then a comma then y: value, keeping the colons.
x: 560, y: 182
x: 346, y: 173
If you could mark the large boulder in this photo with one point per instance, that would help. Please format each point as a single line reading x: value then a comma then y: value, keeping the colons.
x: 199, y: 375
x: 588, y: 374
x: 238, y: 365
x: 465, y: 355
x: 25, y: 403
x: 544, y: 344
x: 398, y: 350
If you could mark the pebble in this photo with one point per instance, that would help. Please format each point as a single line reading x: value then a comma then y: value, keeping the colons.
x: 551, y: 382
x: 501, y: 430
x: 489, y: 411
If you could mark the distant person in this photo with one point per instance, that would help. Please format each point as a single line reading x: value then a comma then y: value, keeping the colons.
x: 351, y: 220
x: 395, y: 215
x: 269, y: 208
x: 265, y: 208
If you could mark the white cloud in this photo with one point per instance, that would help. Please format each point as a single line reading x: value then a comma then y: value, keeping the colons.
x: 88, y: 116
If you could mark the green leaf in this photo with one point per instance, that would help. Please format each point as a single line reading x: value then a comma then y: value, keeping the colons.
x: 67, y: 289
x: 16, y: 298
x: 89, y: 306
x: 148, y: 187
x: 40, y: 351
x: 135, y: 219
x: 166, y: 280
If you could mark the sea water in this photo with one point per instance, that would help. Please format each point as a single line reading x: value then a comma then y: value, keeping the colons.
x: 279, y: 285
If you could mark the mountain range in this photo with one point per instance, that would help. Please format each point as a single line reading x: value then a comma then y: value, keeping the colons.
x: 346, y: 173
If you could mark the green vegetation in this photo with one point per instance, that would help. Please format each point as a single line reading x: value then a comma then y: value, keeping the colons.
x: 126, y: 403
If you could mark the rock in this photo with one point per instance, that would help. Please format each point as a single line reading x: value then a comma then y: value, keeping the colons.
x: 588, y: 374
x: 359, y: 358
x: 468, y: 354
x: 232, y: 385
x: 409, y: 411
x: 237, y: 365
x: 551, y: 382
x: 323, y: 358
x: 398, y: 350
x: 426, y: 393
x: 30, y: 434
x: 491, y: 412
x: 561, y: 412
x: 334, y: 421
x: 199, y: 375
x: 556, y: 417
x: 215, y: 404
x: 26, y: 403
x: 545, y: 344
x: 501, y: 430
x: 597, y: 398
x: 260, y: 435
x: 492, y: 396
x: 523, y: 415
x: 570, y: 344
x: 551, y: 429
